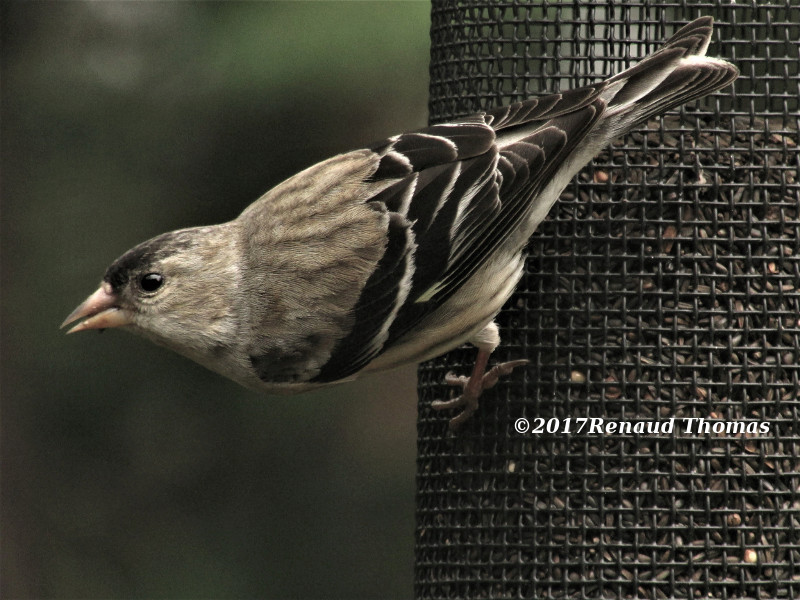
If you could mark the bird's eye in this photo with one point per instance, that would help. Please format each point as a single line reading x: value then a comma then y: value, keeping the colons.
x: 151, y: 282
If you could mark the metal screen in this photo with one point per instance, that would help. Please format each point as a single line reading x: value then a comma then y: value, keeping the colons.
x: 665, y: 284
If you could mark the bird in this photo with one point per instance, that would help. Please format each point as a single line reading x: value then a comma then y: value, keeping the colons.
x: 392, y: 254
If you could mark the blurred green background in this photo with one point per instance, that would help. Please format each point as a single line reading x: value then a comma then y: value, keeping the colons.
x: 128, y: 471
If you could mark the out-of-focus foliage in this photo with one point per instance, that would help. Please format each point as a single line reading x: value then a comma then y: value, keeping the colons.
x: 128, y: 471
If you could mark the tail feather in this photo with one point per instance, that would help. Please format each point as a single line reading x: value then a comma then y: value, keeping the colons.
x: 638, y: 81
x: 677, y: 73
x: 698, y: 31
x: 687, y: 82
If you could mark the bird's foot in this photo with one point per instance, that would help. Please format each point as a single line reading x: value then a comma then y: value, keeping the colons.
x: 472, y: 388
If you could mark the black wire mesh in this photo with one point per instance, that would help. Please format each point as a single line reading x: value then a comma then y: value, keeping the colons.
x: 665, y: 284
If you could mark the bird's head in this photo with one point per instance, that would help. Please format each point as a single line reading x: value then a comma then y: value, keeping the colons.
x: 177, y: 289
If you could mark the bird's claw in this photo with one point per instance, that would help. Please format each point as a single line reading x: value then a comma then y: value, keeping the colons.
x: 501, y: 370
x: 472, y: 388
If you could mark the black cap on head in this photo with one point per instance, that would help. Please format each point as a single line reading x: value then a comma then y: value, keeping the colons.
x: 145, y: 254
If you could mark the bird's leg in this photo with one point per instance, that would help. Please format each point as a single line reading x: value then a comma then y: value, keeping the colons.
x: 473, y: 386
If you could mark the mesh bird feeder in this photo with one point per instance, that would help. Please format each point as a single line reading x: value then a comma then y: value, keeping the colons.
x: 663, y: 289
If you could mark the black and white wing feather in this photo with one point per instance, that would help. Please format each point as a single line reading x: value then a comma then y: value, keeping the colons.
x: 456, y: 191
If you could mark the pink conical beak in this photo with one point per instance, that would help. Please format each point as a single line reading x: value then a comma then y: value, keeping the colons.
x: 101, y: 310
